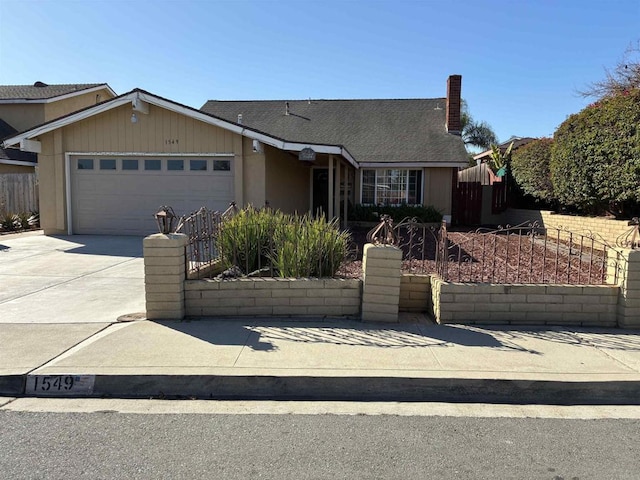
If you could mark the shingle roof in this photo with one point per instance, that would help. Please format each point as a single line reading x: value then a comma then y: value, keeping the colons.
x: 405, y: 130
x: 35, y: 92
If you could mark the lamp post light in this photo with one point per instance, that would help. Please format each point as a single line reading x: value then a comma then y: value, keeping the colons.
x: 165, y: 217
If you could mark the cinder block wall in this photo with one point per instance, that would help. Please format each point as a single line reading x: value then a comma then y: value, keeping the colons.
x: 525, y: 304
x: 381, y: 283
x: 273, y: 296
x: 164, y: 274
x: 629, y: 281
x: 606, y: 228
x: 415, y: 293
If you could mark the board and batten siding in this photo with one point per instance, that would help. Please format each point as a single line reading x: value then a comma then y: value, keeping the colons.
x: 67, y: 105
x: 159, y: 131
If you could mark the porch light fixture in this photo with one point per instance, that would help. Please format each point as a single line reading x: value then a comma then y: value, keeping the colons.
x: 134, y: 118
x: 165, y: 217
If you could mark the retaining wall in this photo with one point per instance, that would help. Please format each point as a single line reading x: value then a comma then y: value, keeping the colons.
x: 384, y: 292
x: 595, y: 305
x: 273, y: 296
x: 606, y: 228
x: 415, y: 293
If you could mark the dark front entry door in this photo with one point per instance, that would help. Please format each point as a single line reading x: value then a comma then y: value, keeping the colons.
x: 320, y: 191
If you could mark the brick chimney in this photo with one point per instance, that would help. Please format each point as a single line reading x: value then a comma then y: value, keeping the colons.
x: 454, y: 103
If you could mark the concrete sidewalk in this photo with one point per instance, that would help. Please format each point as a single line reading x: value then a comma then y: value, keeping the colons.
x: 321, y: 360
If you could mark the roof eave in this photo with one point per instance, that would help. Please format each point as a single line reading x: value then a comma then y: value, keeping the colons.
x: 182, y: 109
x: 58, y: 97
x: 21, y: 163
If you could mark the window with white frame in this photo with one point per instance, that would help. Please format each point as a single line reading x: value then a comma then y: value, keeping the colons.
x: 391, y: 187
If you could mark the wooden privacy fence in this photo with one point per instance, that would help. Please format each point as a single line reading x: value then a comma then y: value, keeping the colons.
x: 18, y: 192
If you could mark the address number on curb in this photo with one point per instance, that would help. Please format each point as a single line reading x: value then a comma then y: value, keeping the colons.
x: 60, y: 385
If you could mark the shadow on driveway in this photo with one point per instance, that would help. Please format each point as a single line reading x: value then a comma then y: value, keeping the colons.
x: 109, y: 245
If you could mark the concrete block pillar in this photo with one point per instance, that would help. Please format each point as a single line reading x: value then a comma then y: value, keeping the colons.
x: 628, y: 269
x: 164, y: 275
x: 381, y: 283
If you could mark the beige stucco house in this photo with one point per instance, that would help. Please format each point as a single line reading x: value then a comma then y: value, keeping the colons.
x: 107, y: 168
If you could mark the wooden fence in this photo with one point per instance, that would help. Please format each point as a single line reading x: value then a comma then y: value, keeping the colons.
x: 18, y: 192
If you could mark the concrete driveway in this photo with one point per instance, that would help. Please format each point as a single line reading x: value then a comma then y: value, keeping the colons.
x: 70, y: 279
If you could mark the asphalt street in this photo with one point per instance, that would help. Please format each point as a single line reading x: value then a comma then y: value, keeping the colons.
x: 108, y: 444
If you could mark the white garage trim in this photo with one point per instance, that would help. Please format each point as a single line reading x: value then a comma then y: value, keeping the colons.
x: 67, y: 166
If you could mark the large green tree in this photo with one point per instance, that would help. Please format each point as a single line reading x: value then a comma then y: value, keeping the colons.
x: 530, y: 168
x: 595, y: 162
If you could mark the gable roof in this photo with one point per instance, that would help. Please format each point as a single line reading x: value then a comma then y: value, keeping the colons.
x: 42, y: 93
x: 138, y: 95
x: 14, y: 156
x: 377, y: 131
x: 517, y: 143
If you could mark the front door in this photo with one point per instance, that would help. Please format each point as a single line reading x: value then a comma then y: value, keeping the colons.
x: 320, y: 191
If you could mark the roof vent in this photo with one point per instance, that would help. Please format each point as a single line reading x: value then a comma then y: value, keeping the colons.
x: 286, y: 108
x: 240, y: 118
x: 40, y: 84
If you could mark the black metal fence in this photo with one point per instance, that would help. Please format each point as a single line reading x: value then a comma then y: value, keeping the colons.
x: 526, y: 253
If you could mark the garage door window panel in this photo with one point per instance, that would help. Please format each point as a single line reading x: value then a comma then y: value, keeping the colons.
x: 107, y: 164
x: 154, y: 165
x: 85, y: 164
x: 198, y: 165
x: 129, y: 164
x: 222, y: 165
x: 175, y: 165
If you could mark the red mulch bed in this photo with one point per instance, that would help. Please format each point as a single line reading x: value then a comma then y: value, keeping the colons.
x: 497, y: 258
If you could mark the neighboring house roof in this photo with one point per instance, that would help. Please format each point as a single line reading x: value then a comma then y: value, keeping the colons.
x: 42, y: 93
x: 398, y: 131
x: 137, y: 95
x: 517, y: 143
x: 13, y: 156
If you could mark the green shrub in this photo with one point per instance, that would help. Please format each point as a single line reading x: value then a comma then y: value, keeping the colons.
x: 595, y: 159
x: 9, y: 222
x: 308, y: 247
x: 293, y: 246
x: 362, y: 213
x: 530, y: 167
x: 245, y: 239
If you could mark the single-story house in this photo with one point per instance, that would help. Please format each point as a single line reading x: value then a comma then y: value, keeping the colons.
x: 25, y: 106
x: 107, y: 168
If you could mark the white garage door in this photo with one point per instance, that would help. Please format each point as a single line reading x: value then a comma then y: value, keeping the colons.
x: 119, y: 195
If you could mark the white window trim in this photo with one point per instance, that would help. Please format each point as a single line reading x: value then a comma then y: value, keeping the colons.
x: 375, y: 185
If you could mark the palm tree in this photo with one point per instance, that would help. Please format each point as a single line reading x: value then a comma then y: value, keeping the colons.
x: 476, y: 134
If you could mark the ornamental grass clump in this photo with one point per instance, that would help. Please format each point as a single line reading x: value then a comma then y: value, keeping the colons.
x: 261, y: 241
x: 246, y: 239
x: 308, y: 247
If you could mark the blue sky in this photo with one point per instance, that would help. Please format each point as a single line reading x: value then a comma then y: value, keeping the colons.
x: 521, y: 61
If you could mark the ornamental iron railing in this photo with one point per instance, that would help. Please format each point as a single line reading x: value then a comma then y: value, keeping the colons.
x: 202, y: 228
x: 525, y: 253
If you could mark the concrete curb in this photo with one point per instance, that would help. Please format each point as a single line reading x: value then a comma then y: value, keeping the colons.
x: 12, y: 384
x: 396, y: 389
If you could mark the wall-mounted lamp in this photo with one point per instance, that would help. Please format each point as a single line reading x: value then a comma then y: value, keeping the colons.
x: 134, y: 118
